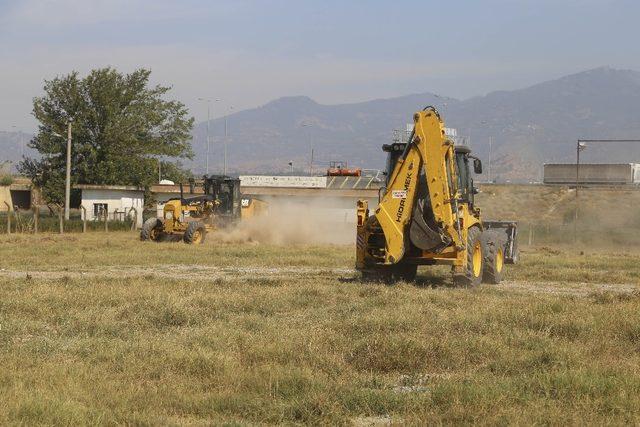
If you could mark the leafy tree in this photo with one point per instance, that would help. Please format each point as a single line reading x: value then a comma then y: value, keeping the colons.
x: 6, y: 180
x: 121, y: 129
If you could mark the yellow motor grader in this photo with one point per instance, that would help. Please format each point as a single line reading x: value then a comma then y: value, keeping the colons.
x: 427, y: 214
x: 191, y: 218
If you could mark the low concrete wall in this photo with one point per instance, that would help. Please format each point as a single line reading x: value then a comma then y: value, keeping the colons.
x: 283, y: 181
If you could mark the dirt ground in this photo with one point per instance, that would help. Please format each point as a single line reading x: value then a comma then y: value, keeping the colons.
x: 211, y: 273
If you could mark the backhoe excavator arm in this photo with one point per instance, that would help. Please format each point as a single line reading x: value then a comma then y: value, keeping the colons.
x: 431, y: 154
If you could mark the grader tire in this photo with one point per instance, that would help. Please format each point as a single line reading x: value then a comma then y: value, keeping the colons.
x: 151, y: 229
x: 195, y: 233
x: 472, y: 275
x: 493, y: 245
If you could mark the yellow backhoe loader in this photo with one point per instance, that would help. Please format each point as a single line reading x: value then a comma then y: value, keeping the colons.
x: 191, y: 218
x: 426, y: 214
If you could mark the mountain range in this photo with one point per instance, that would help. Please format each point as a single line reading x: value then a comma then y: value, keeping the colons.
x: 13, y: 145
x: 527, y: 127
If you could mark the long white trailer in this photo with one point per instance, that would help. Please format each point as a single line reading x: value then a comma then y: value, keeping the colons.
x: 592, y: 173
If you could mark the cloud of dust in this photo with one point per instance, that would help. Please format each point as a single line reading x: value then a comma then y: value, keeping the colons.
x: 294, y: 222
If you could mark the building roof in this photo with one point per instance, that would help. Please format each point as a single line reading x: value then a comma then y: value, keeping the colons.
x: 168, y: 188
x: 353, y: 183
x: 107, y: 187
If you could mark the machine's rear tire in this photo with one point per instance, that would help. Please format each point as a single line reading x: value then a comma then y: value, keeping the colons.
x: 151, y: 229
x: 472, y: 275
x: 195, y: 233
x: 493, y: 243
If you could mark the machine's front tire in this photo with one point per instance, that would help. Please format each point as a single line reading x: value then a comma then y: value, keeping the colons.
x: 195, y: 233
x: 493, y: 246
x: 151, y: 229
x: 472, y: 275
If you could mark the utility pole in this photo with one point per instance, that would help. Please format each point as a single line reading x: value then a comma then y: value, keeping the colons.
x: 67, y: 187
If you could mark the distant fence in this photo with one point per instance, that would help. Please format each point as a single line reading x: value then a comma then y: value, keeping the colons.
x: 50, y: 219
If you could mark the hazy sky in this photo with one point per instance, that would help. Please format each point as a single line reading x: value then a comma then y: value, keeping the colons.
x: 249, y: 52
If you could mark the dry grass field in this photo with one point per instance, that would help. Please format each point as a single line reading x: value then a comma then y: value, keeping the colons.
x: 105, y: 329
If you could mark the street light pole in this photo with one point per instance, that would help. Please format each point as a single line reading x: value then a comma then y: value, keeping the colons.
x: 579, y: 147
x: 308, y: 125
x: 208, y: 101
x: 67, y: 186
x: 490, y: 146
x: 208, y: 137
x: 226, y: 136
x: 483, y: 123
x: 224, y: 167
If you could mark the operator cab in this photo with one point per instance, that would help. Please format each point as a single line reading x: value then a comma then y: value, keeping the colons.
x: 463, y: 156
x: 226, y: 191
x: 395, y: 150
x: 465, y: 180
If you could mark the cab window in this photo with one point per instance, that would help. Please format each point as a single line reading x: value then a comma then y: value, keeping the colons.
x: 465, y: 182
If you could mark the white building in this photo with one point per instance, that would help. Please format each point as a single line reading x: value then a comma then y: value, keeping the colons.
x: 118, y: 201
